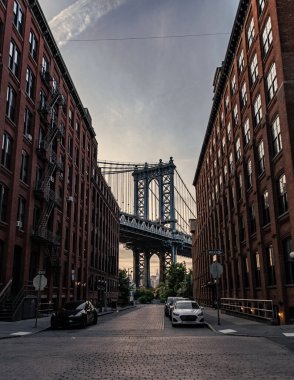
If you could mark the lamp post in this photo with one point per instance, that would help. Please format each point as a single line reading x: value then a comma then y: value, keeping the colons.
x: 101, y: 285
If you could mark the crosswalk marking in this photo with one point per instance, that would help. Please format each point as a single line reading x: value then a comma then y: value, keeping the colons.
x: 289, y: 334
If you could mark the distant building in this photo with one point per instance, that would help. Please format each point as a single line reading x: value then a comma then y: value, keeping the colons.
x: 245, y: 173
x: 57, y: 214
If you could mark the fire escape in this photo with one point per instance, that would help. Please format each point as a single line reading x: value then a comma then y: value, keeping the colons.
x: 52, y: 164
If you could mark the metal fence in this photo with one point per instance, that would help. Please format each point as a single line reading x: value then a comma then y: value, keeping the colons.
x: 249, y: 308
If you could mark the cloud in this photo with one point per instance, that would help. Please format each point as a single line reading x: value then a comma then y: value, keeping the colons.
x: 76, y: 18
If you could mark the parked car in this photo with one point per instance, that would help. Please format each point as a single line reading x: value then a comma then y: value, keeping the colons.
x: 187, y: 312
x: 170, y: 304
x: 75, y: 313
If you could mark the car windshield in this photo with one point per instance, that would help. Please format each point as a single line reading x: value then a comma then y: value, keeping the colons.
x: 187, y: 305
x: 78, y: 305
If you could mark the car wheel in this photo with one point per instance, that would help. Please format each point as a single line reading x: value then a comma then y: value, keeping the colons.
x: 54, y: 326
x: 83, y: 323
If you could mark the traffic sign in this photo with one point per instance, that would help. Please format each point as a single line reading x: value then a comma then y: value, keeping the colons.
x: 216, y: 270
x: 39, y: 282
x: 215, y: 252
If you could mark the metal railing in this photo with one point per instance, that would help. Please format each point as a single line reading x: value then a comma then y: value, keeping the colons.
x: 249, y: 308
x: 5, y: 292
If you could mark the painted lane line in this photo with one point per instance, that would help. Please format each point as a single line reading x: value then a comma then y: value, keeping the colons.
x: 289, y: 334
x: 227, y: 331
x: 20, y: 333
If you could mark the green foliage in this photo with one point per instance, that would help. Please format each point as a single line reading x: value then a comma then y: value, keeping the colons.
x: 123, y: 286
x: 144, y: 295
x: 178, y: 283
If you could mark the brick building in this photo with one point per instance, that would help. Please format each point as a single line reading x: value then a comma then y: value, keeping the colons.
x: 245, y: 176
x: 57, y: 214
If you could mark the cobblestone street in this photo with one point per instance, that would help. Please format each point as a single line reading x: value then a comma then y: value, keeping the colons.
x: 141, y: 344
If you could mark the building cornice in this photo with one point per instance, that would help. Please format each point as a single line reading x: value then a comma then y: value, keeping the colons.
x: 225, y: 72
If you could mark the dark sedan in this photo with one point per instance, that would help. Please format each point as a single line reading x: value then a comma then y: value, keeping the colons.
x: 75, y: 313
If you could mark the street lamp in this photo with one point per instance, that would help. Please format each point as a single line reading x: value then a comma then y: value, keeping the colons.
x: 291, y: 255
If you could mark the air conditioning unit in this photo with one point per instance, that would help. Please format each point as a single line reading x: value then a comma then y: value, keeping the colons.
x: 19, y: 224
x: 70, y: 199
x: 29, y: 137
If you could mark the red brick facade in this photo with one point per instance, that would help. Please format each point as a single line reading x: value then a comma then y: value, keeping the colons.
x: 244, y: 178
x: 56, y: 212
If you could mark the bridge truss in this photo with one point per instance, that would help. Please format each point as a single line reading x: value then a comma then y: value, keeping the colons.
x: 156, y: 207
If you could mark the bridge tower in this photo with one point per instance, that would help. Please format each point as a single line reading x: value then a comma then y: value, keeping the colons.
x: 163, y: 174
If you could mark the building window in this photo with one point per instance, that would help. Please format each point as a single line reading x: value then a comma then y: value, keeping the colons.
x: 223, y: 143
x: 257, y: 276
x: 282, y: 195
x: 233, y: 85
x: 267, y: 36
x: 11, y: 103
x: 241, y: 62
x: 276, y: 137
x: 33, y: 45
x: 252, y: 219
x: 245, y: 267
x: 21, y: 211
x: 246, y: 131
x: 229, y: 132
x: 227, y: 103
x: 3, y: 202
x: 254, y: 69
x: 14, y: 59
x: 265, y: 208
x: 45, y: 68
x: 70, y: 146
x: 28, y: 123
x: 271, y: 273
x: 272, y: 83
x: 231, y: 163
x: 235, y: 115
x: 257, y: 110
x: 289, y: 263
x: 249, y: 174
x: 250, y: 33
x: 238, y: 149
x: 241, y: 228
x: 70, y: 118
x: 30, y: 83
x: 261, y: 5
x: 43, y: 101
x: 24, y: 167
x: 260, y: 158
x: 78, y: 127
x: 225, y: 172
x: 239, y: 186
x: 243, y: 99
x: 77, y: 156
x: 6, y: 151
x: 18, y: 17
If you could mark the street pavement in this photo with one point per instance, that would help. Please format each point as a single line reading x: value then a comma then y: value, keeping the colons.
x: 229, y: 325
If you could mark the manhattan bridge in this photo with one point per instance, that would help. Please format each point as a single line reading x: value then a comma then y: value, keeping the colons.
x: 155, y: 212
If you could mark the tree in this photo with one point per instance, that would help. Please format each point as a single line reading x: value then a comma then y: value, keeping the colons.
x: 175, y: 276
x: 123, y: 286
x: 178, y: 283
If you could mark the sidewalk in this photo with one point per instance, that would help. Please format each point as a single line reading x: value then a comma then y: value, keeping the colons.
x: 27, y: 326
x: 245, y: 327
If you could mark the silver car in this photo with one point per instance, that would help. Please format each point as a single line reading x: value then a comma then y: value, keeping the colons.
x: 187, y: 312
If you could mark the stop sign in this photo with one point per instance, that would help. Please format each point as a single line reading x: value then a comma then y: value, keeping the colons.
x: 39, y: 282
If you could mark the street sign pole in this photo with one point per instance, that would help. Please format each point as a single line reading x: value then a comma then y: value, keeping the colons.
x: 38, y: 300
x: 217, y: 302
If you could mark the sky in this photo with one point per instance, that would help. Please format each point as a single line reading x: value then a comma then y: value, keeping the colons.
x: 144, y: 69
